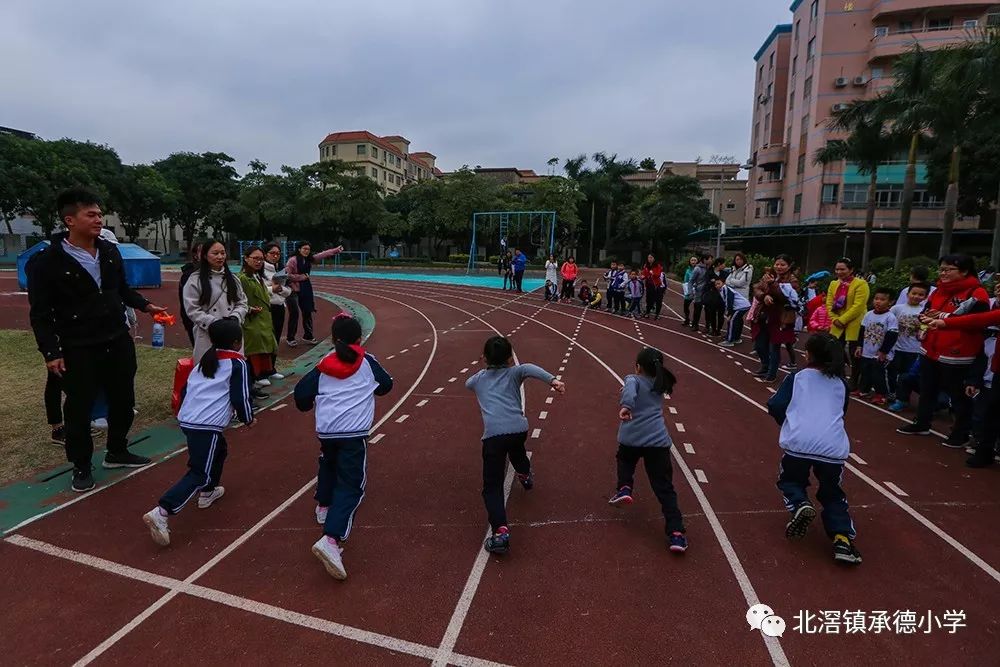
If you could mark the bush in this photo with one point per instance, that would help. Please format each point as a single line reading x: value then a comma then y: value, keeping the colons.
x: 880, y: 265
x: 459, y: 258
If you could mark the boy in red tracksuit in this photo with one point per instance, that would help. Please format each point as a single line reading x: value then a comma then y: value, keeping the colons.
x: 948, y: 354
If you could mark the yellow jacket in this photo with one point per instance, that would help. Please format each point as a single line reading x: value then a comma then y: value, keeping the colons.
x: 852, y: 313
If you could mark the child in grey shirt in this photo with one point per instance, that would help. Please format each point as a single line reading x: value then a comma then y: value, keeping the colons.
x: 643, y: 435
x: 505, y: 429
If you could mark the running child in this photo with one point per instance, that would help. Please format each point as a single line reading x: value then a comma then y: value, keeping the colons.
x: 217, y: 386
x: 505, y: 430
x: 810, y: 406
x: 342, y: 387
x: 907, y: 348
x: 634, y: 289
x: 736, y: 306
x: 643, y: 435
x: 879, y: 332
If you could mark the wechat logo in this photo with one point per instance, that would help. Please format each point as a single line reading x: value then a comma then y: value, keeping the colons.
x: 761, y: 617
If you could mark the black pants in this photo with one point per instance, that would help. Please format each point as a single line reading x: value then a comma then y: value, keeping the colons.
x: 936, y: 377
x: 714, y: 317
x: 617, y: 300
x: 496, y: 451
x: 660, y: 474
x: 654, y: 300
x: 850, y: 347
x: 53, y: 399
x: 874, y: 376
x: 110, y: 368
x: 793, y: 480
x: 687, y: 311
x: 207, y: 452
x: 567, y: 289
x: 293, y: 318
x: 902, y: 362
x: 698, y: 307
x: 989, y: 430
x: 508, y: 280
x: 341, y: 482
x: 735, y: 330
x: 188, y: 326
x: 518, y: 279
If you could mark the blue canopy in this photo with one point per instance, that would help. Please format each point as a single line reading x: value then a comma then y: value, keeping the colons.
x: 142, y: 268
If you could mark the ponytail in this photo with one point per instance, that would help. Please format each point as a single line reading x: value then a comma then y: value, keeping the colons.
x: 209, y: 362
x: 345, y: 352
x: 225, y: 334
x: 826, y: 354
x: 345, y: 331
x: 651, y: 363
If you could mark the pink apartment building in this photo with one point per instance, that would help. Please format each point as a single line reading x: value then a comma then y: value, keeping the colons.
x: 835, y: 51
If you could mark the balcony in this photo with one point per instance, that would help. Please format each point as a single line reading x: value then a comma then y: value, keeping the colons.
x: 768, y: 189
x: 772, y: 153
x: 898, y: 42
x: 888, y: 7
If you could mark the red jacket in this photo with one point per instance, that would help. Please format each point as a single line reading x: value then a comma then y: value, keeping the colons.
x: 569, y: 270
x: 953, y: 345
x: 976, y: 323
x: 651, y: 276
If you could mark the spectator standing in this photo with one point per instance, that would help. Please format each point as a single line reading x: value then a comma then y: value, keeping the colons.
x: 847, y: 303
x: 194, y: 257
x: 569, y: 272
x: 518, y: 264
x: 259, y: 344
x: 212, y: 293
x: 301, y: 300
x: 278, y: 292
x: 740, y: 277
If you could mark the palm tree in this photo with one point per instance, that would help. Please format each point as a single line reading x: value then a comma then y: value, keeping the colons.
x: 867, y: 145
x: 610, y: 176
x: 587, y: 181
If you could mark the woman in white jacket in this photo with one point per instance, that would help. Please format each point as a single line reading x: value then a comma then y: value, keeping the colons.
x: 279, y: 291
x: 741, y: 276
x: 551, y: 270
x: 212, y: 293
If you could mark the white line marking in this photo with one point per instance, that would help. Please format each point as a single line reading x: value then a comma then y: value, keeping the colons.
x: 427, y: 340
x: 404, y: 351
x: 562, y: 368
x: 680, y: 427
x: 895, y: 489
x: 672, y: 410
x: 548, y: 400
x: 700, y: 476
x: 422, y: 403
x: 279, y: 406
x: 738, y: 363
x: 559, y: 377
x: 543, y: 414
x: 535, y: 433
x: 391, y: 356
x: 415, y: 345
x: 464, y: 370
x: 375, y: 438
x: 747, y: 370
x: 728, y: 356
x: 475, y: 362
x: 452, y: 379
x: 858, y: 459
x: 772, y: 390
x: 689, y: 448
x: 402, y: 418
x: 439, y: 390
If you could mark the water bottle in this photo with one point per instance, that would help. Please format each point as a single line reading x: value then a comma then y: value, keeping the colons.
x: 158, y: 332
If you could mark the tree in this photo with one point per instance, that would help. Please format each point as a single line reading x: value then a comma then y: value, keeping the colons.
x: 553, y: 162
x: 201, y: 180
x: 647, y: 164
x: 558, y: 194
x: 588, y: 185
x: 664, y: 215
x: 145, y: 198
x: 867, y: 145
x: 615, y: 191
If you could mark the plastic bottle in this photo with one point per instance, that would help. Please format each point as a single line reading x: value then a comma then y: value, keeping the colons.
x: 158, y: 334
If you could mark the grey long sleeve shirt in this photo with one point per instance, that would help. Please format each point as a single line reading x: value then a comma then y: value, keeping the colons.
x: 498, y: 391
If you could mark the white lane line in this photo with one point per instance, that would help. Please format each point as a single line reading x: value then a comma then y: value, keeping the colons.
x: 402, y: 418
x: 427, y: 340
x: 452, y: 379
x: 422, y: 403
x: 548, y: 400
x: 858, y: 459
x: 895, y: 489
x: 747, y: 370
x: 464, y: 370
x: 415, y: 345
x: 444, y: 653
x: 404, y: 350
x: 562, y: 368
x: 680, y: 427
x: 700, y: 476
x: 543, y: 414
x: 279, y: 406
x: 439, y: 390
x: 672, y: 410
x: 391, y: 356
x: 772, y: 390
x: 475, y: 362
x: 728, y: 356
x: 535, y: 433
x: 738, y: 363
x: 375, y: 438
x: 689, y: 448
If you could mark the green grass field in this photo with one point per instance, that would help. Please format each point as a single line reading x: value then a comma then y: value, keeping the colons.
x: 25, y: 447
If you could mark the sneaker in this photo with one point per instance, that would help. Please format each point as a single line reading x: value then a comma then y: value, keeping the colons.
x: 727, y: 343
x: 879, y: 399
x: 257, y: 393
x: 954, y: 441
x: 760, y: 374
x: 801, y: 518
x: 844, y: 551
x: 913, y: 429
x: 159, y: 530
x: 205, y: 499
x: 527, y: 481
x: 59, y: 436
x: 321, y: 513
x: 262, y: 383
x: 738, y: 341
x: 678, y: 542
x: 896, y: 406
x: 499, y: 542
x: 83, y: 480
x: 622, y: 497
x: 310, y: 341
x: 293, y: 343
x: 857, y: 393
x: 125, y: 460
x: 790, y: 368
x: 277, y: 376
x: 770, y: 378
x: 100, y: 423
x: 328, y: 552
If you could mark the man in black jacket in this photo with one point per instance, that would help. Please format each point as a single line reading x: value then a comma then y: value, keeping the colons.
x: 78, y: 295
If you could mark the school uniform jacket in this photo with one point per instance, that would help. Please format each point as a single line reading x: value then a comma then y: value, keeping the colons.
x: 810, y: 407
x: 207, y: 403
x: 343, y: 394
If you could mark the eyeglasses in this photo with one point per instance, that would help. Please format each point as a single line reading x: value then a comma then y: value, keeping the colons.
x: 947, y: 269
x: 256, y: 259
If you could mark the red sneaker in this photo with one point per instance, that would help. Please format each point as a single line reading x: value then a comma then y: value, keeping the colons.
x: 879, y: 399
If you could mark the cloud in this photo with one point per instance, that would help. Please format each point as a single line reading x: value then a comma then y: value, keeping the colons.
x: 474, y: 82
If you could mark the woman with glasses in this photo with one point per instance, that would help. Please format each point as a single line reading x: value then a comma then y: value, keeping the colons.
x: 259, y: 344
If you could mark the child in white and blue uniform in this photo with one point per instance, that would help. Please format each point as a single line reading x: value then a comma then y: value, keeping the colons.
x: 642, y: 434
x: 810, y: 406
x: 342, y: 387
x: 217, y: 386
x: 736, y: 306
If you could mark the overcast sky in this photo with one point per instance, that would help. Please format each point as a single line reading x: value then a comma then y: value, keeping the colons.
x: 477, y: 82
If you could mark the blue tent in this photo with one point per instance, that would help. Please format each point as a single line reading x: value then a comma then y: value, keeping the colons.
x: 142, y: 268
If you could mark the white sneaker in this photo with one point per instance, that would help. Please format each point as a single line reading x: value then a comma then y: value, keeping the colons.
x: 158, y: 528
x: 277, y: 376
x: 205, y: 500
x: 293, y: 343
x: 100, y: 423
x: 262, y: 383
x: 321, y: 514
x: 329, y: 555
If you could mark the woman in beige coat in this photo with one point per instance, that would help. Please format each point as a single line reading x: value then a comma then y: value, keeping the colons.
x: 212, y: 293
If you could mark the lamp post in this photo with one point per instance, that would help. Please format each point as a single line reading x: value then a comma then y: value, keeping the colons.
x: 720, y: 231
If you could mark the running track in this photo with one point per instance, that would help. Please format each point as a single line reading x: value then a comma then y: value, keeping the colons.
x: 584, y: 584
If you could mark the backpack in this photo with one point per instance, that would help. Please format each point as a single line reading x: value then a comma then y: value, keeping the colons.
x: 181, y: 374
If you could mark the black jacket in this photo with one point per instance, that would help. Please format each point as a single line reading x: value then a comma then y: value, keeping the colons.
x: 67, y: 307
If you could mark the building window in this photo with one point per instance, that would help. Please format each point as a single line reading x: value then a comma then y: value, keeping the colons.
x: 800, y: 168
x: 830, y: 193
x: 756, y: 133
x: 970, y: 24
x: 362, y: 149
x: 797, y: 203
x: 814, y: 11
x: 730, y: 206
x: 797, y: 30
x: 767, y: 124
x: 788, y: 136
x: 770, y: 89
x: 772, y: 208
x: 770, y: 61
x: 333, y: 150
x: 374, y: 173
x: 760, y: 74
x: 905, y: 26
x: 374, y: 153
x: 877, y: 73
x: 795, y: 65
x: 807, y: 89
x: 881, y: 31
x: 805, y: 124
x: 939, y: 24
x: 791, y: 100
x: 811, y: 49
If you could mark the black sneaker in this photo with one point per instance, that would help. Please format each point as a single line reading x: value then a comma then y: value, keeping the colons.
x: 499, y: 542
x: 82, y: 480
x: 258, y: 394
x: 677, y: 542
x: 845, y: 552
x: 59, y: 436
x: 956, y: 441
x: 125, y: 459
x: 760, y: 374
x: 913, y: 429
x: 801, y: 518
x: 527, y: 481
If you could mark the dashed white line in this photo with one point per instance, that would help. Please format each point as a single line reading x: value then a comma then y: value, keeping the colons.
x: 562, y: 368
x: 376, y: 438
x: 391, y: 356
x: 439, y: 390
x: 404, y: 350
x: 543, y: 414
x: 680, y: 427
x: 415, y: 345
x: 559, y: 377
x: 279, y: 407
x: 464, y: 370
x: 402, y: 418
x: 738, y: 363
x: 452, y: 379
x: 548, y: 400
x: 689, y: 448
x: 672, y: 410
x: 858, y: 459
x: 772, y: 390
x: 536, y: 432
x: 895, y: 489
x: 422, y: 403
x: 700, y: 476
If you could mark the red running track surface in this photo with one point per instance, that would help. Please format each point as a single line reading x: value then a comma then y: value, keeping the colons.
x: 585, y: 583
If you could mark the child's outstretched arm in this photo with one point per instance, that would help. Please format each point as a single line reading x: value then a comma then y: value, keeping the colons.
x: 630, y: 391
x: 239, y: 391
x: 306, y: 390
x: 777, y: 406
x: 539, y: 373
x: 381, y: 376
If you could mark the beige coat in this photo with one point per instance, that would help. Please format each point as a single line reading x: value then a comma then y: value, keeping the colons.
x: 217, y: 308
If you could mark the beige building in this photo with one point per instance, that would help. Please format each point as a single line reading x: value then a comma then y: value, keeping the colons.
x: 385, y: 160
x: 724, y: 189
x: 508, y: 175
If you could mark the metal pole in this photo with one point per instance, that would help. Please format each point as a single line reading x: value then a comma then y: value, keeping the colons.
x: 718, y: 234
x: 591, y: 258
x: 995, y: 249
x: 472, y: 247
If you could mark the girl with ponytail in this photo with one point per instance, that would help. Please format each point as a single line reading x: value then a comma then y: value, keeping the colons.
x: 643, y: 435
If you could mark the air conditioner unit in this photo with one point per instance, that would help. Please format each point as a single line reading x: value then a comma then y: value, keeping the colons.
x: 840, y: 82
x: 838, y: 107
x: 860, y: 81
